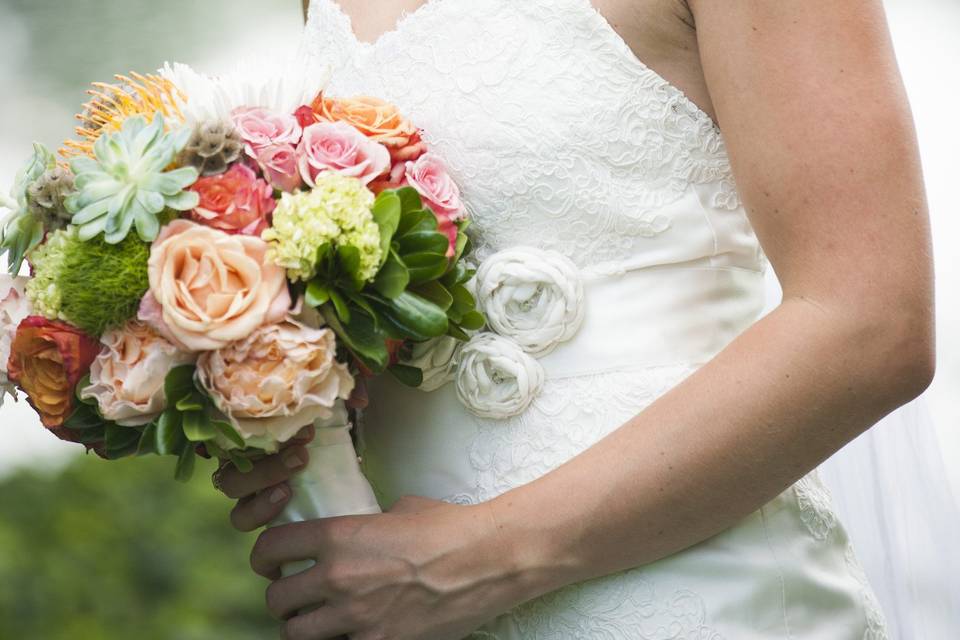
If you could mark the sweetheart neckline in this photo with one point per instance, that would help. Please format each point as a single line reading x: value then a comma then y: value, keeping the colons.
x: 406, y: 17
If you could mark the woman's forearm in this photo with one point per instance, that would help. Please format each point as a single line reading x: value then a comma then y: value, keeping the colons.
x: 777, y: 401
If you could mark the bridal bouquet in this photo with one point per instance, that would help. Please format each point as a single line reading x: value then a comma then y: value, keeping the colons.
x: 217, y: 262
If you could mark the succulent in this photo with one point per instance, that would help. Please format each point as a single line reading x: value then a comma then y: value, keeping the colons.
x: 126, y: 184
x: 46, y: 198
x: 213, y: 146
x: 21, y: 231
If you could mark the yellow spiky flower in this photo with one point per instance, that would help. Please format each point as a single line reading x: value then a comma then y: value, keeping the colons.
x: 111, y: 104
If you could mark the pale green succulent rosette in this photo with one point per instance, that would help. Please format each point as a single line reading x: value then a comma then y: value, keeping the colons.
x: 127, y: 184
x: 21, y: 231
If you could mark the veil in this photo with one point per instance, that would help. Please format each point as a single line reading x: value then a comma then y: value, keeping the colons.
x: 891, y: 491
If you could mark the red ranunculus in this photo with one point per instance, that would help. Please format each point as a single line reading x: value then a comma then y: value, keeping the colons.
x: 235, y: 202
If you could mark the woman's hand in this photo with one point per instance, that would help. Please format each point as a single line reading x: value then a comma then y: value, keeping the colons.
x: 425, y: 570
x: 263, y: 492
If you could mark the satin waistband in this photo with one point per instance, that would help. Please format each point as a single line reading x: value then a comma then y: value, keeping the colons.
x: 658, y: 316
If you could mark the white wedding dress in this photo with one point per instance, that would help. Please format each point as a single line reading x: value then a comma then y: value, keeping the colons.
x: 561, y: 139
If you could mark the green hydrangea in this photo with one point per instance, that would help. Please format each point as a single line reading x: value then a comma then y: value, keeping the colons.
x: 43, y: 289
x: 337, y: 211
x: 93, y: 285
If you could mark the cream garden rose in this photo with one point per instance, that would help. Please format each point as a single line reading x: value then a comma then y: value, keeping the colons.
x: 14, y: 307
x: 532, y: 296
x: 208, y: 288
x: 275, y: 381
x: 127, y: 378
x: 496, y: 378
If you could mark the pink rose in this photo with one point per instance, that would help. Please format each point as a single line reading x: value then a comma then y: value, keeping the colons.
x: 279, y: 164
x: 261, y: 127
x: 208, y: 288
x: 234, y: 202
x: 336, y: 146
x: 439, y: 192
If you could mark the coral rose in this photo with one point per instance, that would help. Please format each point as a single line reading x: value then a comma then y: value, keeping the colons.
x: 277, y: 380
x: 376, y: 119
x: 127, y: 377
x: 260, y: 127
x: 208, y: 288
x: 47, y: 359
x: 336, y: 146
x: 14, y: 307
x: 234, y: 202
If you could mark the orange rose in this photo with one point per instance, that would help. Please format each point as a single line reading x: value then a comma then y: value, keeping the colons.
x: 47, y: 359
x: 376, y: 119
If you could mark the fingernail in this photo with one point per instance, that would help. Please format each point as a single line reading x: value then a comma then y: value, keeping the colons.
x: 278, y: 495
x: 293, y: 459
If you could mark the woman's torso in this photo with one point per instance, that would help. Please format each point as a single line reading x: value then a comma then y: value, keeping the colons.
x: 562, y: 139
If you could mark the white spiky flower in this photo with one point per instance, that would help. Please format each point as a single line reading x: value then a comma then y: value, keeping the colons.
x: 279, y: 85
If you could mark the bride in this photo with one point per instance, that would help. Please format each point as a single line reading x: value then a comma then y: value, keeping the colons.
x: 634, y: 458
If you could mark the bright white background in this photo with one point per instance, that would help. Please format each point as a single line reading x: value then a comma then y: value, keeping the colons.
x: 38, y: 104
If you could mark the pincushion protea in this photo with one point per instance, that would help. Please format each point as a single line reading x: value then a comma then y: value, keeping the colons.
x: 111, y: 104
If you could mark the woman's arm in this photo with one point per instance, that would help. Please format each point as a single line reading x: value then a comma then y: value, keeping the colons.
x: 821, y: 137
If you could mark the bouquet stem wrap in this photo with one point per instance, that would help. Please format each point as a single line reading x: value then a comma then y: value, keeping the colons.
x: 331, y: 484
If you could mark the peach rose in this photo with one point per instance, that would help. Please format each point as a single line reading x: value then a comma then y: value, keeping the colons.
x: 127, y: 377
x: 47, y: 359
x: 234, y: 202
x: 208, y: 288
x: 376, y: 119
x: 277, y: 380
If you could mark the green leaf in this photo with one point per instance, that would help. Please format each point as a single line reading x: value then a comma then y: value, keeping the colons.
x: 420, y: 319
x: 435, y: 293
x: 458, y: 333
x: 424, y: 267
x: 410, y: 376
x: 416, y: 220
x: 410, y: 199
x: 92, y: 436
x: 179, y: 383
x: 349, y: 257
x: 461, y: 245
x: 393, y: 277
x: 83, y: 384
x: 229, y: 432
x: 170, y: 438
x: 193, y: 402
x: 197, y: 426
x: 343, y: 311
x: 386, y: 213
x: 463, y: 300
x: 120, y: 441
x: 185, y: 464
x: 148, y: 440
x: 424, y: 242
x: 473, y: 321
x: 243, y: 465
x: 84, y: 418
x: 364, y: 305
x: 362, y: 338
x: 317, y: 293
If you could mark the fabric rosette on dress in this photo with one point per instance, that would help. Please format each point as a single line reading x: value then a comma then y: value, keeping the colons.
x: 533, y: 300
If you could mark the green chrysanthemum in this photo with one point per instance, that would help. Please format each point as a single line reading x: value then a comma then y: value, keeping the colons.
x: 336, y: 212
x: 127, y: 185
x: 93, y: 285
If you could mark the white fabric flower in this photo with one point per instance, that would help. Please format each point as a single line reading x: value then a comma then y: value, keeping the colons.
x: 495, y: 377
x: 127, y: 378
x: 437, y: 359
x: 14, y: 307
x: 532, y: 296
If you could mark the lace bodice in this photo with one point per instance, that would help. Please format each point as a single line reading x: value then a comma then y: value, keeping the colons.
x: 558, y: 135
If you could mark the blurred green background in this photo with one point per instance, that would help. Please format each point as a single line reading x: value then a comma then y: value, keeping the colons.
x: 91, y: 550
